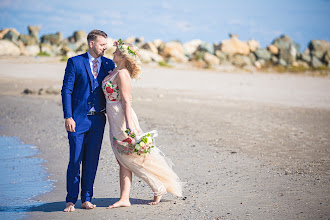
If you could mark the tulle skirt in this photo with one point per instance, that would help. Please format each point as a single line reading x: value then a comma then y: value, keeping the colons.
x: 154, y: 168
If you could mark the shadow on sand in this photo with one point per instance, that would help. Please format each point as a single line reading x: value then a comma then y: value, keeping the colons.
x: 99, y: 202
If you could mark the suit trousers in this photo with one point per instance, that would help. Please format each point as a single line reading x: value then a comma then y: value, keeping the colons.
x: 85, y: 147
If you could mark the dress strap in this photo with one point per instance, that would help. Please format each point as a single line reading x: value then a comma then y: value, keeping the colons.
x: 114, y: 76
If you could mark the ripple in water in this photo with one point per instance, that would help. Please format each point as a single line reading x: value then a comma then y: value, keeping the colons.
x: 22, y: 178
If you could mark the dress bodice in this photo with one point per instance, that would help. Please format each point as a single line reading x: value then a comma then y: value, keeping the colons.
x: 110, y: 89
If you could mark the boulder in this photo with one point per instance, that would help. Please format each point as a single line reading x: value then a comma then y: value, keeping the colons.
x: 148, y: 56
x: 211, y: 59
x: 316, y: 63
x: 32, y: 50
x: 34, y: 31
x: 174, y: 50
x: 221, y: 55
x: 326, y: 57
x: 8, y: 48
x: 306, y: 57
x: 80, y: 36
x: 4, y: 31
x: 274, y: 59
x: 157, y: 43
x: 234, y: 46
x: 82, y: 48
x: 253, y: 45
x: 28, y: 40
x: 150, y: 46
x: 318, y: 48
x: 46, y: 48
x: 130, y: 40
x: 53, y: 39
x: 288, y: 50
x: 263, y: 54
x: 259, y: 64
x: 252, y: 57
x: 300, y: 63
x: 273, y: 49
x: 241, y: 60
x: 191, y: 46
x: 206, y: 47
x: 282, y: 62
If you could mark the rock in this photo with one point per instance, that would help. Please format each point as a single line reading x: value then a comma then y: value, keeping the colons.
x: 221, y: 55
x: 252, y: 57
x: 80, y: 36
x: 28, y: 40
x: 318, y: 48
x: 259, y: 64
x: 241, y: 60
x: 326, y: 57
x: 82, y: 48
x: 207, y: 47
x: 8, y: 48
x: 306, y: 57
x: 211, y: 59
x: 174, y: 50
x: 149, y: 46
x: 273, y: 49
x: 199, y: 63
x: 288, y: 50
x: 253, y: 45
x: 46, y: 48
x: 4, y: 31
x: 300, y: 63
x: 191, y: 46
x: 130, y: 40
x: 32, y: 50
x: 316, y: 63
x: 53, y: 39
x: 234, y: 46
x: 34, y: 31
x: 263, y: 54
x: 41, y: 91
x: 53, y: 90
x: 282, y: 62
x: 28, y: 91
x: 274, y: 59
x: 157, y: 43
x: 147, y: 56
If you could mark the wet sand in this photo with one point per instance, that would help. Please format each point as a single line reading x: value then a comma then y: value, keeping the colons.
x: 247, y: 145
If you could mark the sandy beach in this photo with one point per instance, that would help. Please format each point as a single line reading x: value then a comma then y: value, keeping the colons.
x: 247, y: 145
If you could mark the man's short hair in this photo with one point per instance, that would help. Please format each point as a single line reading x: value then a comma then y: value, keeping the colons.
x: 94, y: 33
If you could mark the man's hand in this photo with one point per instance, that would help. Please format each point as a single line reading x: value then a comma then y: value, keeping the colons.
x: 70, y: 125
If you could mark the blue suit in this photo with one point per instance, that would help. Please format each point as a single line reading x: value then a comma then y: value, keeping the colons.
x: 80, y: 92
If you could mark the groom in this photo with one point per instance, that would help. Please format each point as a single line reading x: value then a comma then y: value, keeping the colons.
x: 84, y: 106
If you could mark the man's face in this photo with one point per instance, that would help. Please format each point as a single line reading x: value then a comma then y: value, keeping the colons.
x: 99, y: 46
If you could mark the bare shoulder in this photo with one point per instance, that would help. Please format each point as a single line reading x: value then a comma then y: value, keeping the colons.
x: 123, y: 74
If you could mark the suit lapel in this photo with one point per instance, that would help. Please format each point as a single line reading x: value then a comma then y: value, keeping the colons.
x: 88, y: 68
x: 104, y: 66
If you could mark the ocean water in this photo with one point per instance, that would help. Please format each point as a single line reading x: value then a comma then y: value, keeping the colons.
x: 23, y: 178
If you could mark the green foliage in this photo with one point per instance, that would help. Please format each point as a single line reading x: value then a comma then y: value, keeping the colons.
x: 164, y: 64
x: 43, y: 54
x: 297, y: 69
x: 64, y: 59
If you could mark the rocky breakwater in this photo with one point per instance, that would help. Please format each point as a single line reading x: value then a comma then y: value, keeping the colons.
x: 283, y: 54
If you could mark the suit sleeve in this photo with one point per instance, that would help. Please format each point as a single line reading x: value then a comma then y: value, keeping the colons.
x: 67, y: 88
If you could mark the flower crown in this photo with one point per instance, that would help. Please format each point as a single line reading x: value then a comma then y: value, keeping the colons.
x: 122, y: 46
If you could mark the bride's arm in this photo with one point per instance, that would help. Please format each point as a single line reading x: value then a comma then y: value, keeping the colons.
x: 124, y: 84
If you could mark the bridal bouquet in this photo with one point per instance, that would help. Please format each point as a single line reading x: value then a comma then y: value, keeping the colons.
x: 143, y: 145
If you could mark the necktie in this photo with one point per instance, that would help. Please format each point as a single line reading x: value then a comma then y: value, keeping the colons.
x: 95, y: 68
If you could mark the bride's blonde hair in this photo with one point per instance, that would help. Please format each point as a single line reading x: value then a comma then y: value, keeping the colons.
x: 132, y: 55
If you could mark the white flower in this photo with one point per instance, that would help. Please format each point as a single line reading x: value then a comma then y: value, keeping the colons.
x: 149, y: 140
x: 142, y: 144
x: 137, y: 146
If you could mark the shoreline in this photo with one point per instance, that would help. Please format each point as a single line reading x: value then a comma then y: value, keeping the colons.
x: 254, y: 159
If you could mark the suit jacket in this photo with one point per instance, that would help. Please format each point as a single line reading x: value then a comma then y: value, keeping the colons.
x: 81, y: 91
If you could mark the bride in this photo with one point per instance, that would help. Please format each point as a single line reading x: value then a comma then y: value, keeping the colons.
x: 150, y: 166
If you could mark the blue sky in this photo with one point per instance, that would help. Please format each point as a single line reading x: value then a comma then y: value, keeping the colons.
x: 208, y: 20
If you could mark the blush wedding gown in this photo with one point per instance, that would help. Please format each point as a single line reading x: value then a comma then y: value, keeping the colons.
x: 153, y: 167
